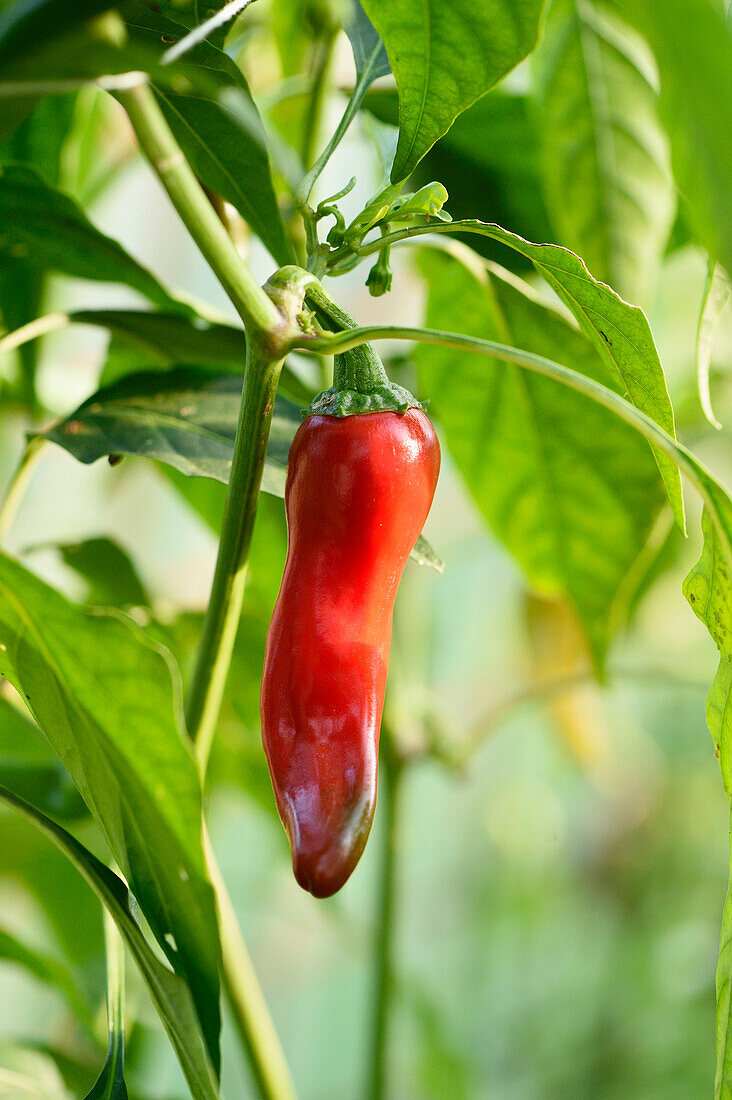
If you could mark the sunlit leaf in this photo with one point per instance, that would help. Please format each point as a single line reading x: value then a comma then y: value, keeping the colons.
x: 444, y: 57
x: 169, y: 993
x: 619, y: 331
x: 692, y: 45
x: 717, y: 291
x: 605, y: 157
x: 571, y: 491
x: 106, y: 699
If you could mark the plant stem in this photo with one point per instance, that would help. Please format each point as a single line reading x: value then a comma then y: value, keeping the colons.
x: 354, y: 102
x: 318, y: 96
x: 251, y: 1015
x: 712, y: 493
x: 390, y: 782
x: 268, y: 330
x: 257, y: 311
x: 19, y: 483
x: 222, y: 616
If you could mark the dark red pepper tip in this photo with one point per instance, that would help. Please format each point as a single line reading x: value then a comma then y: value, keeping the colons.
x: 324, y: 865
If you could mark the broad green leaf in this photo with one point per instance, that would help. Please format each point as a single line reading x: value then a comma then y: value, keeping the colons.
x: 108, y: 571
x: 49, y: 970
x: 110, y: 1085
x: 106, y: 698
x: 47, y: 230
x: 25, y: 23
x: 619, y: 331
x: 444, y: 57
x: 605, y: 158
x: 169, y: 993
x: 692, y: 43
x: 569, y: 489
x: 186, y: 418
x: 708, y: 590
x: 717, y: 291
x: 29, y: 767
x: 219, y: 130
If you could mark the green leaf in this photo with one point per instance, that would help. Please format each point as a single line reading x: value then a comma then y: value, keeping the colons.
x: 619, y: 331
x: 708, y: 590
x: 219, y: 130
x: 172, y: 336
x: 717, y: 291
x: 108, y: 571
x: 605, y: 158
x: 48, y: 230
x: 110, y: 1085
x: 444, y: 57
x: 106, y: 699
x: 169, y: 993
x: 25, y: 23
x: 571, y: 491
x: 29, y: 767
x: 692, y: 44
x: 186, y: 418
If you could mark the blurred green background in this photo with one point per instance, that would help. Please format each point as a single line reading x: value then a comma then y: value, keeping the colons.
x: 558, y: 892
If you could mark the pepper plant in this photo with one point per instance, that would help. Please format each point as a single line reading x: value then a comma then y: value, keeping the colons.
x: 594, y: 132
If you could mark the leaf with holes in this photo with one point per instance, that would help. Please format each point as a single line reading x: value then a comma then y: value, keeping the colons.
x: 186, y: 418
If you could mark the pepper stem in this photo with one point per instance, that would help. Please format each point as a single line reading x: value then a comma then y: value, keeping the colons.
x: 360, y: 382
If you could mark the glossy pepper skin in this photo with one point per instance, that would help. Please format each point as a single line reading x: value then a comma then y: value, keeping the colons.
x: 359, y: 489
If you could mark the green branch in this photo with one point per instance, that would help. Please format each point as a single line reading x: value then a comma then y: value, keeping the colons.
x: 257, y: 311
x: 714, y: 495
x: 224, y: 607
x: 19, y: 483
x: 354, y: 102
x: 270, y: 331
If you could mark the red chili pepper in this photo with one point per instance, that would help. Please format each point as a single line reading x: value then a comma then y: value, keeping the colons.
x: 359, y: 488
